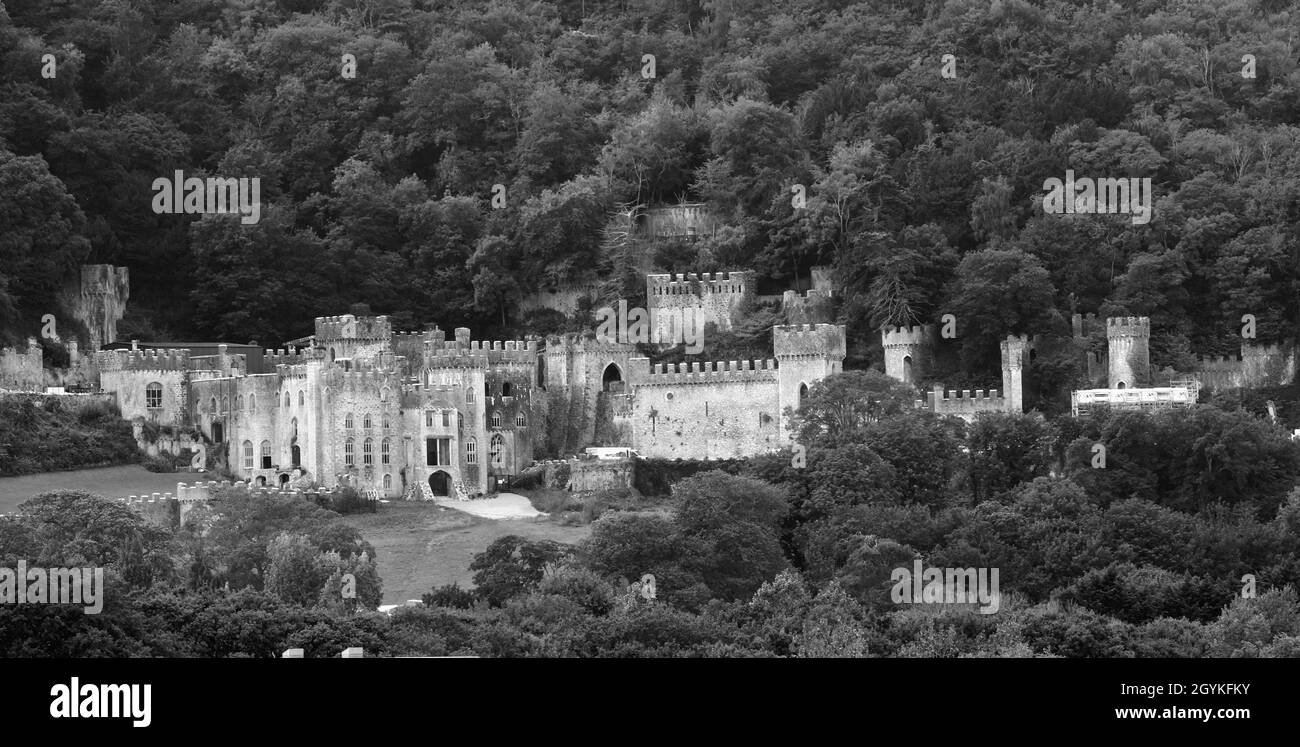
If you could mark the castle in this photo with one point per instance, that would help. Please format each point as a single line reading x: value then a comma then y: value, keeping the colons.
x: 421, y: 415
x: 1122, y: 377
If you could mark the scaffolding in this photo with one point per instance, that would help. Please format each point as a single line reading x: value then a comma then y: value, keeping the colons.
x: 1180, y: 393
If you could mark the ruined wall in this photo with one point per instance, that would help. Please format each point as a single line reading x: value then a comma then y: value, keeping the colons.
x: 678, y: 221
x: 1255, y: 366
x: 564, y: 300
x: 716, y: 298
x: 21, y: 370
x: 813, y: 307
x: 97, y: 298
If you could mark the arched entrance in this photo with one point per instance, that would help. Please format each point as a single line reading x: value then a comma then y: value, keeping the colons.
x: 297, y: 455
x: 218, y: 433
x: 611, y: 376
x: 284, y: 479
x: 440, y: 483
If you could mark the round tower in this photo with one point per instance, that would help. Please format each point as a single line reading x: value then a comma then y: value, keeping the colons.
x: 1128, y: 339
x: 907, y: 351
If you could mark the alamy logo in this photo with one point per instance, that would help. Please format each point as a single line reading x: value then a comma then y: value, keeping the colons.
x: 947, y: 586
x: 213, y: 195
x: 1086, y: 195
x: 670, y: 326
x: 83, y: 586
x: 102, y: 701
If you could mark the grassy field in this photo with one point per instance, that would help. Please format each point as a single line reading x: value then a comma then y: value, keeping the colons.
x: 422, y: 545
x: 112, y: 482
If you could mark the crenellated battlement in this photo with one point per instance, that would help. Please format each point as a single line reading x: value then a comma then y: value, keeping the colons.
x: 349, y: 327
x: 274, y: 358
x: 143, y: 360
x: 697, y: 284
x: 921, y: 334
x: 454, y: 353
x: 808, y: 341
x: 1128, y: 326
x: 709, y: 372
x: 964, y: 403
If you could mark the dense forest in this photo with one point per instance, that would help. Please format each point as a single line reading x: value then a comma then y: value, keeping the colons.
x: 923, y: 190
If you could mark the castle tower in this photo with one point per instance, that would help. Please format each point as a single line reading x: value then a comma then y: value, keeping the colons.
x: 907, y: 351
x: 1015, y: 359
x: 805, y: 354
x: 350, y: 336
x: 1128, y: 339
x: 695, y: 300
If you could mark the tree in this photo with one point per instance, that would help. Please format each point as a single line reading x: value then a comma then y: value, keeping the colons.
x: 997, y: 292
x: 839, y: 408
x: 1006, y: 450
x: 512, y: 565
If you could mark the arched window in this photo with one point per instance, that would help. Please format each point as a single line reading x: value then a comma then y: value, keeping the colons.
x: 496, y: 419
x: 286, y: 399
x: 803, y: 392
x: 386, y: 425
x: 239, y: 403
x: 388, y: 482
x: 506, y: 389
x: 153, y: 395
x: 266, y: 455
x: 295, y: 427
x: 225, y: 404
x: 366, y: 422
x: 302, y: 398
x: 487, y: 391
x: 520, y: 421
x: 213, y: 406
x: 349, y: 455
x: 347, y: 421
x: 471, y: 451
x: 469, y: 395
x: 460, y: 420
x: 383, y: 394
x: 385, y: 452
x: 497, y: 450
x: 252, y: 403
x: 368, y: 453
x: 248, y: 455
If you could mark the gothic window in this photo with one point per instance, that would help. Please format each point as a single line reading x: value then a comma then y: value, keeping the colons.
x: 469, y: 396
x: 386, y: 425
x: 496, y: 419
x: 266, y: 455
x: 286, y: 399
x: 388, y: 482
x: 446, y: 418
x: 349, y: 453
x: 153, y: 396
x: 248, y: 455
x: 366, y: 422
x: 252, y: 403
x: 368, y: 453
x: 225, y: 404
x: 385, y: 452
x: 239, y: 403
x: 302, y: 398
x: 520, y: 421
x: 497, y: 451
x: 213, y: 406
x: 347, y: 421
x: 506, y: 389
x: 383, y: 395
x: 471, y: 451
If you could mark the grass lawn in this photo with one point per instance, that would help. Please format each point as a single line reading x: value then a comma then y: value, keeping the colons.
x: 422, y: 545
x: 111, y: 482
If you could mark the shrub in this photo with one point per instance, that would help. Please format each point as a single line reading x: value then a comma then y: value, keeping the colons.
x: 163, y: 462
x: 451, y: 596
